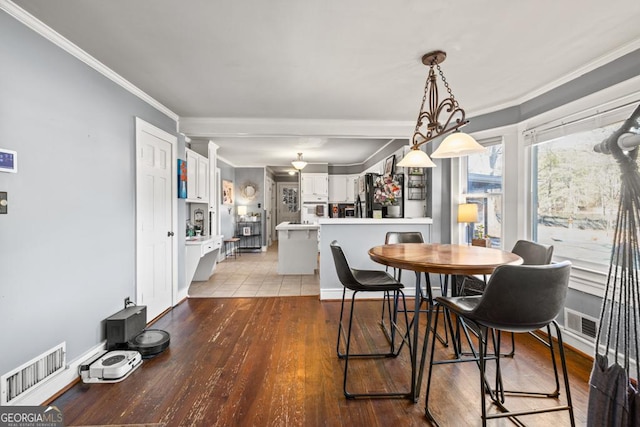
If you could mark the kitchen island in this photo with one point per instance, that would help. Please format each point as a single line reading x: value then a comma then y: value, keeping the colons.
x: 356, y: 236
x: 297, y: 248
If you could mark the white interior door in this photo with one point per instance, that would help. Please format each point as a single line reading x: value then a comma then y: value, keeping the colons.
x: 156, y: 282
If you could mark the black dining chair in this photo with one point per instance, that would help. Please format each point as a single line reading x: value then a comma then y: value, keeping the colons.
x: 356, y: 281
x: 426, y: 295
x: 393, y: 237
x: 517, y: 298
x: 532, y: 253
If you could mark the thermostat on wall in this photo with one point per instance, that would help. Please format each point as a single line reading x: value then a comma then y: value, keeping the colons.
x: 8, y: 161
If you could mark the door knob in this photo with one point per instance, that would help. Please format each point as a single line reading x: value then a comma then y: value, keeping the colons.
x: 169, y: 233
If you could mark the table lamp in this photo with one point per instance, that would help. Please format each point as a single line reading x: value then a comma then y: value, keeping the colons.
x: 468, y: 213
x: 242, y: 211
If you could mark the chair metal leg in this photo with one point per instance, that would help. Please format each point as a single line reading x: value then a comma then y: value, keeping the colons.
x: 497, y: 395
x: 340, y: 328
x: 428, y: 413
x: 556, y: 392
x: 386, y: 303
x: 565, y: 374
x: 347, y: 355
x: 568, y: 407
x: 428, y: 301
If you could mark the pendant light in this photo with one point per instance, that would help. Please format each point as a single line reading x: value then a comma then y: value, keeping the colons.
x: 437, y: 118
x: 299, y: 164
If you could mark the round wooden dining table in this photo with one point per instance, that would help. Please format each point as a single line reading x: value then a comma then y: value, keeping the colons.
x: 437, y: 258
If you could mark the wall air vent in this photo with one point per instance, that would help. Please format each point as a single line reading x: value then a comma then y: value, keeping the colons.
x: 27, y: 377
x: 580, y: 323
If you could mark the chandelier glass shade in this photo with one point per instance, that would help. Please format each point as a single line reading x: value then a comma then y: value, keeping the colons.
x: 299, y: 164
x: 416, y: 158
x: 438, y: 118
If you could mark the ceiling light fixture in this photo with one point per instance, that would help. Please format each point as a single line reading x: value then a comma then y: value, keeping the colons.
x: 299, y: 163
x: 441, y: 118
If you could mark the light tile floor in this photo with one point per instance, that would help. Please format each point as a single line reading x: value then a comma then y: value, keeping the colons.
x: 254, y: 274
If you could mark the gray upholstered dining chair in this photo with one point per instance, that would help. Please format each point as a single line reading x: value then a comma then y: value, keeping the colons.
x: 393, y: 237
x: 532, y: 253
x: 517, y: 298
x: 356, y: 281
x: 426, y: 295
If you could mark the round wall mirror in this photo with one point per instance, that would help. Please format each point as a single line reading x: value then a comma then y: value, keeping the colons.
x: 249, y: 191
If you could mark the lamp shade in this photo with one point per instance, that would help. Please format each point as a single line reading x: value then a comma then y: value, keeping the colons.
x: 242, y: 210
x: 468, y: 212
x: 299, y: 163
x: 416, y: 158
x: 457, y: 144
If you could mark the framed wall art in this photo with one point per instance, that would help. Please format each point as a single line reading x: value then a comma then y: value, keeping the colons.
x: 227, y: 192
x: 389, y: 165
x: 182, y: 179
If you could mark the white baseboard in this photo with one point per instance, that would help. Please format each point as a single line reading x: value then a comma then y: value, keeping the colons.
x: 579, y: 343
x: 51, y: 387
x: 182, y: 294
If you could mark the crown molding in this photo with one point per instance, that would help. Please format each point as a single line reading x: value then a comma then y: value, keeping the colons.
x: 205, y: 127
x: 601, y: 61
x: 56, y: 38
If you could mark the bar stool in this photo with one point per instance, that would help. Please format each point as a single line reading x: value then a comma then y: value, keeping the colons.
x: 394, y: 237
x: 532, y: 253
x: 520, y: 299
x: 231, y: 244
x: 366, y: 281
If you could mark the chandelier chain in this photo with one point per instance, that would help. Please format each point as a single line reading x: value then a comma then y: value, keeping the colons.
x: 446, y: 85
x: 424, y: 99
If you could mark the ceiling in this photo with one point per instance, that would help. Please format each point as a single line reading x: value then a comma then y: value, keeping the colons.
x: 337, y: 80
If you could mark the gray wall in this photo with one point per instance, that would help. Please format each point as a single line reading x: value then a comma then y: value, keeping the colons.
x: 254, y: 176
x: 227, y: 213
x: 67, y: 245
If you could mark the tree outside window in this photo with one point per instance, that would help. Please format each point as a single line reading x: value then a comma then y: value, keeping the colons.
x: 576, y: 192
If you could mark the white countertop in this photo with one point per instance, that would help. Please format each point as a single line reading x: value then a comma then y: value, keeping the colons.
x: 368, y: 221
x: 288, y: 226
x: 201, y: 239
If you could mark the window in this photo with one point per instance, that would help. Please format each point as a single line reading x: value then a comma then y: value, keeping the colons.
x: 575, y: 194
x: 483, y: 183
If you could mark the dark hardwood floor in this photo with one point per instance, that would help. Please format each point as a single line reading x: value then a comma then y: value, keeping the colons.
x: 272, y: 362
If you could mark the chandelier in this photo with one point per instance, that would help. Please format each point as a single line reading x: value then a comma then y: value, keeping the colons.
x: 299, y: 164
x: 437, y: 118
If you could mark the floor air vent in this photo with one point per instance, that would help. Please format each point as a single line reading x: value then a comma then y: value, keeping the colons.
x: 580, y: 323
x: 28, y: 376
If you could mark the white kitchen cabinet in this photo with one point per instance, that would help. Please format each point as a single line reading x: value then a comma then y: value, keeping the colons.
x: 352, y: 185
x: 315, y: 187
x: 197, y: 177
x: 342, y: 188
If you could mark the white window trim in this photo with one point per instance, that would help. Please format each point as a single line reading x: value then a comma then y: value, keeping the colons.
x: 458, y: 230
x: 614, y: 102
